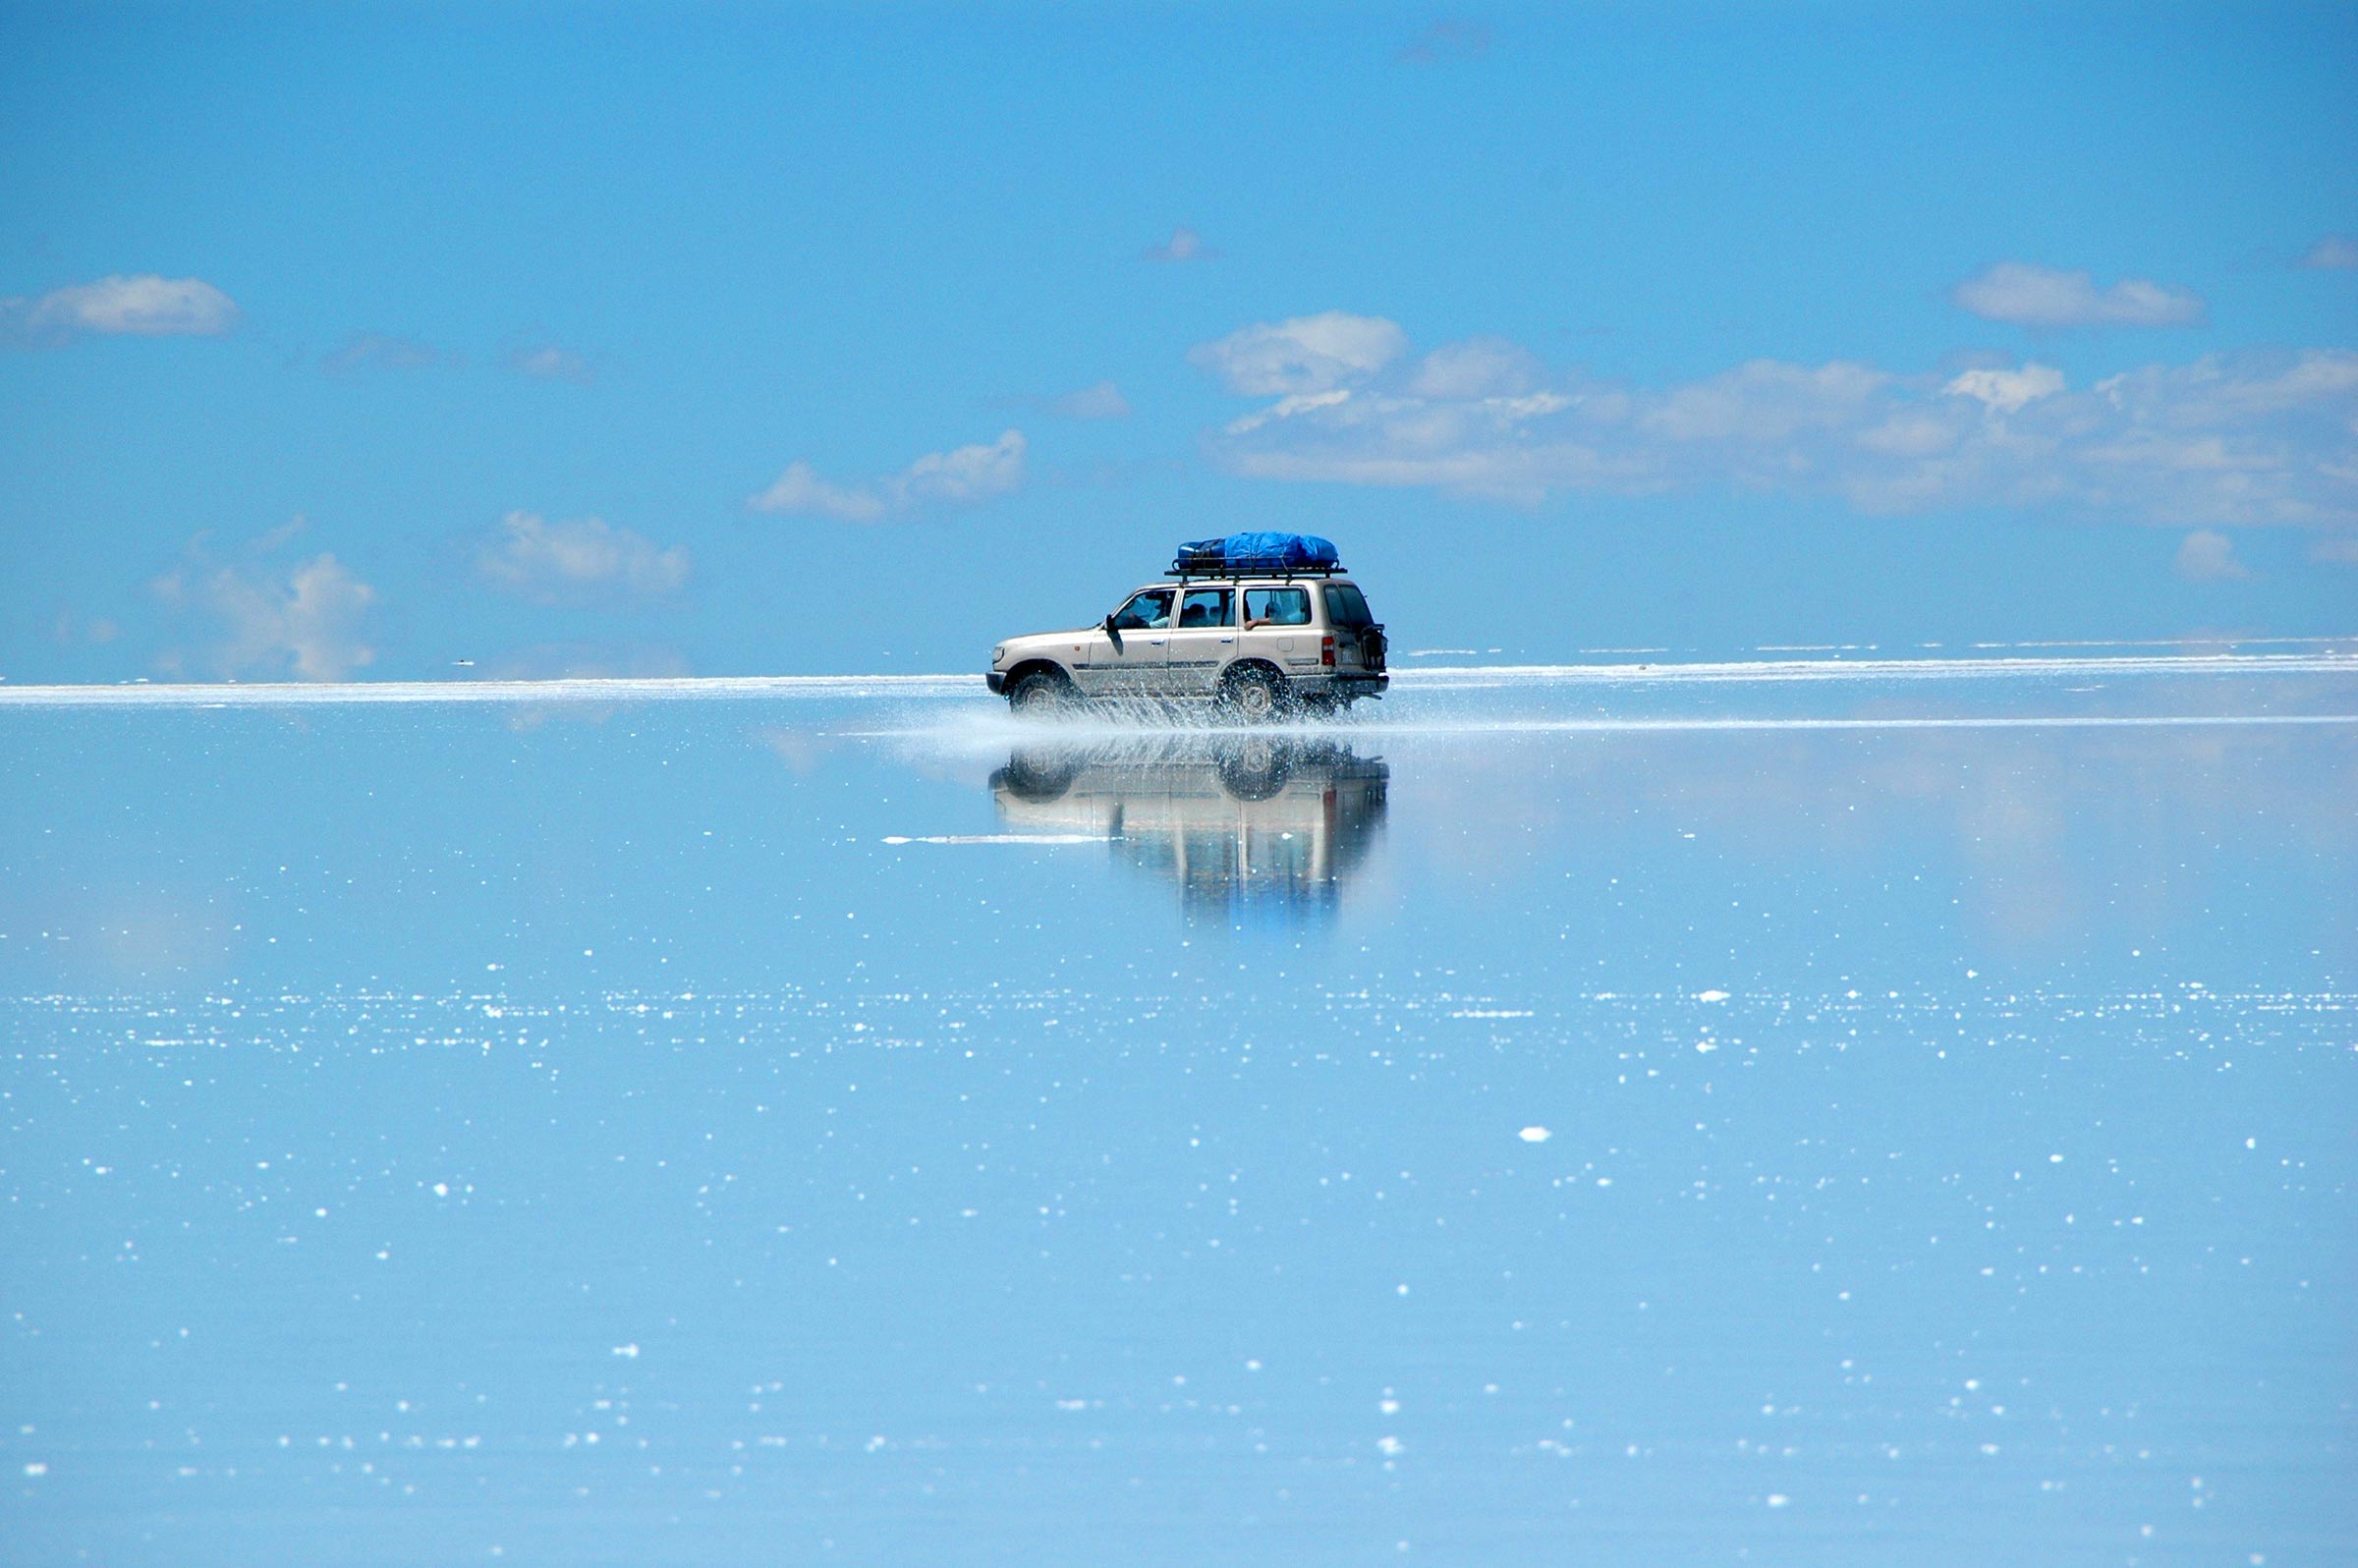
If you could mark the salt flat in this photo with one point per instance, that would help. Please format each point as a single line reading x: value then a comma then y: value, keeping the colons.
x: 1824, y: 1116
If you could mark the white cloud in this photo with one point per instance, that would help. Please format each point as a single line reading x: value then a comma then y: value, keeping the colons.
x: 2224, y: 439
x: 965, y: 475
x: 307, y: 620
x: 1766, y: 403
x: 2336, y: 253
x: 1104, y: 400
x: 2006, y: 391
x: 961, y: 476
x: 547, y: 361
x: 1307, y: 354
x: 1184, y: 244
x: 579, y: 561
x: 2046, y: 297
x: 801, y: 490
x: 141, y: 306
x: 376, y: 350
x: 2208, y: 556
x: 1477, y: 368
x: 2339, y: 548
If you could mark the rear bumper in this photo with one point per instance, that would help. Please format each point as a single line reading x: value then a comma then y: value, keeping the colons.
x: 996, y: 682
x: 1355, y: 686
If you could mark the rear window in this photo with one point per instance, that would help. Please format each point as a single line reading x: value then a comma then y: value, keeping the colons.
x: 1347, y: 606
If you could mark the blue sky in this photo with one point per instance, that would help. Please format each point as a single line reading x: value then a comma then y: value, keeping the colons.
x: 359, y: 342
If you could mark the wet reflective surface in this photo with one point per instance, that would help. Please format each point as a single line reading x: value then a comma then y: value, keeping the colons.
x: 1265, y: 830
x: 1843, y: 1117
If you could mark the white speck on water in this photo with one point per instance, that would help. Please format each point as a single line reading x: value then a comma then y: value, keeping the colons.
x: 1777, y: 1499
x: 1710, y: 996
x: 1535, y: 1135
x: 36, y: 1468
x: 628, y: 1352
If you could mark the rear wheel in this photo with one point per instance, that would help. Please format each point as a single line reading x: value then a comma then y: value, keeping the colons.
x: 1254, y: 696
x: 1041, y: 695
x: 1255, y: 770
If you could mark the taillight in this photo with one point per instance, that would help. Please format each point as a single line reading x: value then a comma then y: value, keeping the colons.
x: 1326, y: 651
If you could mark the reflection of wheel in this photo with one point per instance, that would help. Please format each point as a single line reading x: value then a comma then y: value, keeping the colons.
x: 1253, y: 695
x: 1038, y: 773
x: 1256, y: 771
x: 1041, y: 695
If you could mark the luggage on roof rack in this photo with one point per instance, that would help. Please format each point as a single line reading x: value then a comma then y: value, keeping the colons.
x: 1304, y: 555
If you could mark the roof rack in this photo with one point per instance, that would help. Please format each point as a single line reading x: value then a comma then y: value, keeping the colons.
x: 1183, y: 570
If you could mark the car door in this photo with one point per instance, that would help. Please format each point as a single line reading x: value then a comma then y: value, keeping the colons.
x: 1277, y: 628
x: 1205, y: 638
x: 1131, y: 655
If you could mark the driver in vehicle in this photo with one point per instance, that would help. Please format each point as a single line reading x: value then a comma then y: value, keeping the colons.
x: 1146, y: 612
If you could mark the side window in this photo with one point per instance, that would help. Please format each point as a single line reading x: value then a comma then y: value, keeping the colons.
x: 1285, y: 607
x: 1204, y: 607
x: 1148, y: 609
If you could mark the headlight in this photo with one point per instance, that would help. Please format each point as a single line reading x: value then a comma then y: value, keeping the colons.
x: 998, y: 655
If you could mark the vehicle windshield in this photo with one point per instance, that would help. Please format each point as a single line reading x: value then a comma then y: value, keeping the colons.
x: 1347, y: 606
x: 1148, y: 609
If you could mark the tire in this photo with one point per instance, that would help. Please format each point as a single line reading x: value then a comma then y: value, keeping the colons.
x: 1256, y: 769
x: 1038, y: 772
x: 1041, y: 695
x: 1254, y: 696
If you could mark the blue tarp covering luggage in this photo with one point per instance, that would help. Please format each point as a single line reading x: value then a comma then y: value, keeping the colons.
x: 1260, y: 552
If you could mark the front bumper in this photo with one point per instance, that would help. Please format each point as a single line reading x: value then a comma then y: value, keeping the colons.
x: 996, y: 682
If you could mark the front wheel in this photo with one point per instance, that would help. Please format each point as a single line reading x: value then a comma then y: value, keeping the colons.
x: 1254, y: 696
x: 1041, y: 695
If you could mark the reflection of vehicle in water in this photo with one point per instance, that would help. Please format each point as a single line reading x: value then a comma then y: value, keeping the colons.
x: 1247, y: 827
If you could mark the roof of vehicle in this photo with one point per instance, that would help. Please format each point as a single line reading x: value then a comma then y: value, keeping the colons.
x: 1278, y: 578
x: 1229, y: 573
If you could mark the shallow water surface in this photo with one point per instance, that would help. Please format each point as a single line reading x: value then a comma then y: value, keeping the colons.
x: 1827, y: 1115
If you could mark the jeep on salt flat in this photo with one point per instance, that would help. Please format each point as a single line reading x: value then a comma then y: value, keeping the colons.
x: 1262, y: 624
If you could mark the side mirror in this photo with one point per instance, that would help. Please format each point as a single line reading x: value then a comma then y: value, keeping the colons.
x: 1109, y: 630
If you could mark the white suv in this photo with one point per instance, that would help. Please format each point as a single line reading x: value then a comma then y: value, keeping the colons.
x: 1264, y: 645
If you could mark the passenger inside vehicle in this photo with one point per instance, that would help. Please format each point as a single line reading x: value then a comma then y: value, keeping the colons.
x: 1285, y: 607
x: 1204, y: 607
